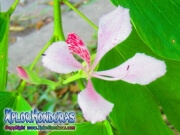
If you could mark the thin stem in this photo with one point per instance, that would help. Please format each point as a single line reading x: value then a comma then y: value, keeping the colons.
x: 41, y: 52
x: 58, y: 30
x: 13, y: 7
x: 80, y: 14
x: 57, y: 35
x: 73, y: 78
x: 21, y: 86
x: 80, y: 84
x: 23, y: 83
x: 108, y: 127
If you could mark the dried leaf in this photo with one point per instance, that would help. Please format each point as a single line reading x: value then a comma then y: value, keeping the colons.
x: 39, y: 24
x: 17, y: 28
x: 61, y: 91
x: 13, y: 39
x: 74, y: 88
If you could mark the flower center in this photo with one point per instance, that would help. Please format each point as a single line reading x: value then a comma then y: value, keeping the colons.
x: 87, y: 73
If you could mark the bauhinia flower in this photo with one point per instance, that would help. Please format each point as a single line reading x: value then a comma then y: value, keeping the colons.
x: 114, y: 28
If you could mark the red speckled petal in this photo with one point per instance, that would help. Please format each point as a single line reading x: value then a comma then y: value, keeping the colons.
x: 77, y: 46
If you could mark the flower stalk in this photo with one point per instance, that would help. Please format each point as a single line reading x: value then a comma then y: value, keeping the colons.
x: 58, y: 35
x: 58, y: 30
x: 80, y: 14
x: 13, y: 7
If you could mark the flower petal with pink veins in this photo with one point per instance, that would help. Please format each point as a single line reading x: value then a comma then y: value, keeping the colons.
x: 140, y: 69
x: 94, y: 107
x: 114, y: 28
x: 77, y: 46
x: 59, y: 59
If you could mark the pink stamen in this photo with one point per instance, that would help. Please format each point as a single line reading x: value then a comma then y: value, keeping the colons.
x: 77, y: 46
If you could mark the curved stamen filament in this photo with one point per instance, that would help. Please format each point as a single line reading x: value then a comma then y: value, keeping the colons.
x: 109, y: 78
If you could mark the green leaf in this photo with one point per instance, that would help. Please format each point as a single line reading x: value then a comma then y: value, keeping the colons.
x: 85, y: 129
x: 167, y: 91
x: 157, y: 23
x: 4, y: 33
x: 136, y: 110
x: 16, y: 102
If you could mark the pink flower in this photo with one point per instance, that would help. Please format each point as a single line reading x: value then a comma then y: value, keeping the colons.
x: 114, y: 28
x: 22, y: 73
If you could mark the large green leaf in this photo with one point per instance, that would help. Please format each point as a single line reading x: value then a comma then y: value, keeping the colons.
x: 4, y: 31
x: 136, y: 110
x: 16, y: 102
x: 157, y: 22
x: 86, y: 129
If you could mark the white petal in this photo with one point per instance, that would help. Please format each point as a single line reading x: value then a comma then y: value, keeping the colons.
x: 140, y: 69
x: 114, y: 28
x: 59, y: 59
x: 94, y: 107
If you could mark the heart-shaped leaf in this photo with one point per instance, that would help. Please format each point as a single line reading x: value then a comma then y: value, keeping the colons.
x: 157, y: 23
x: 16, y: 102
